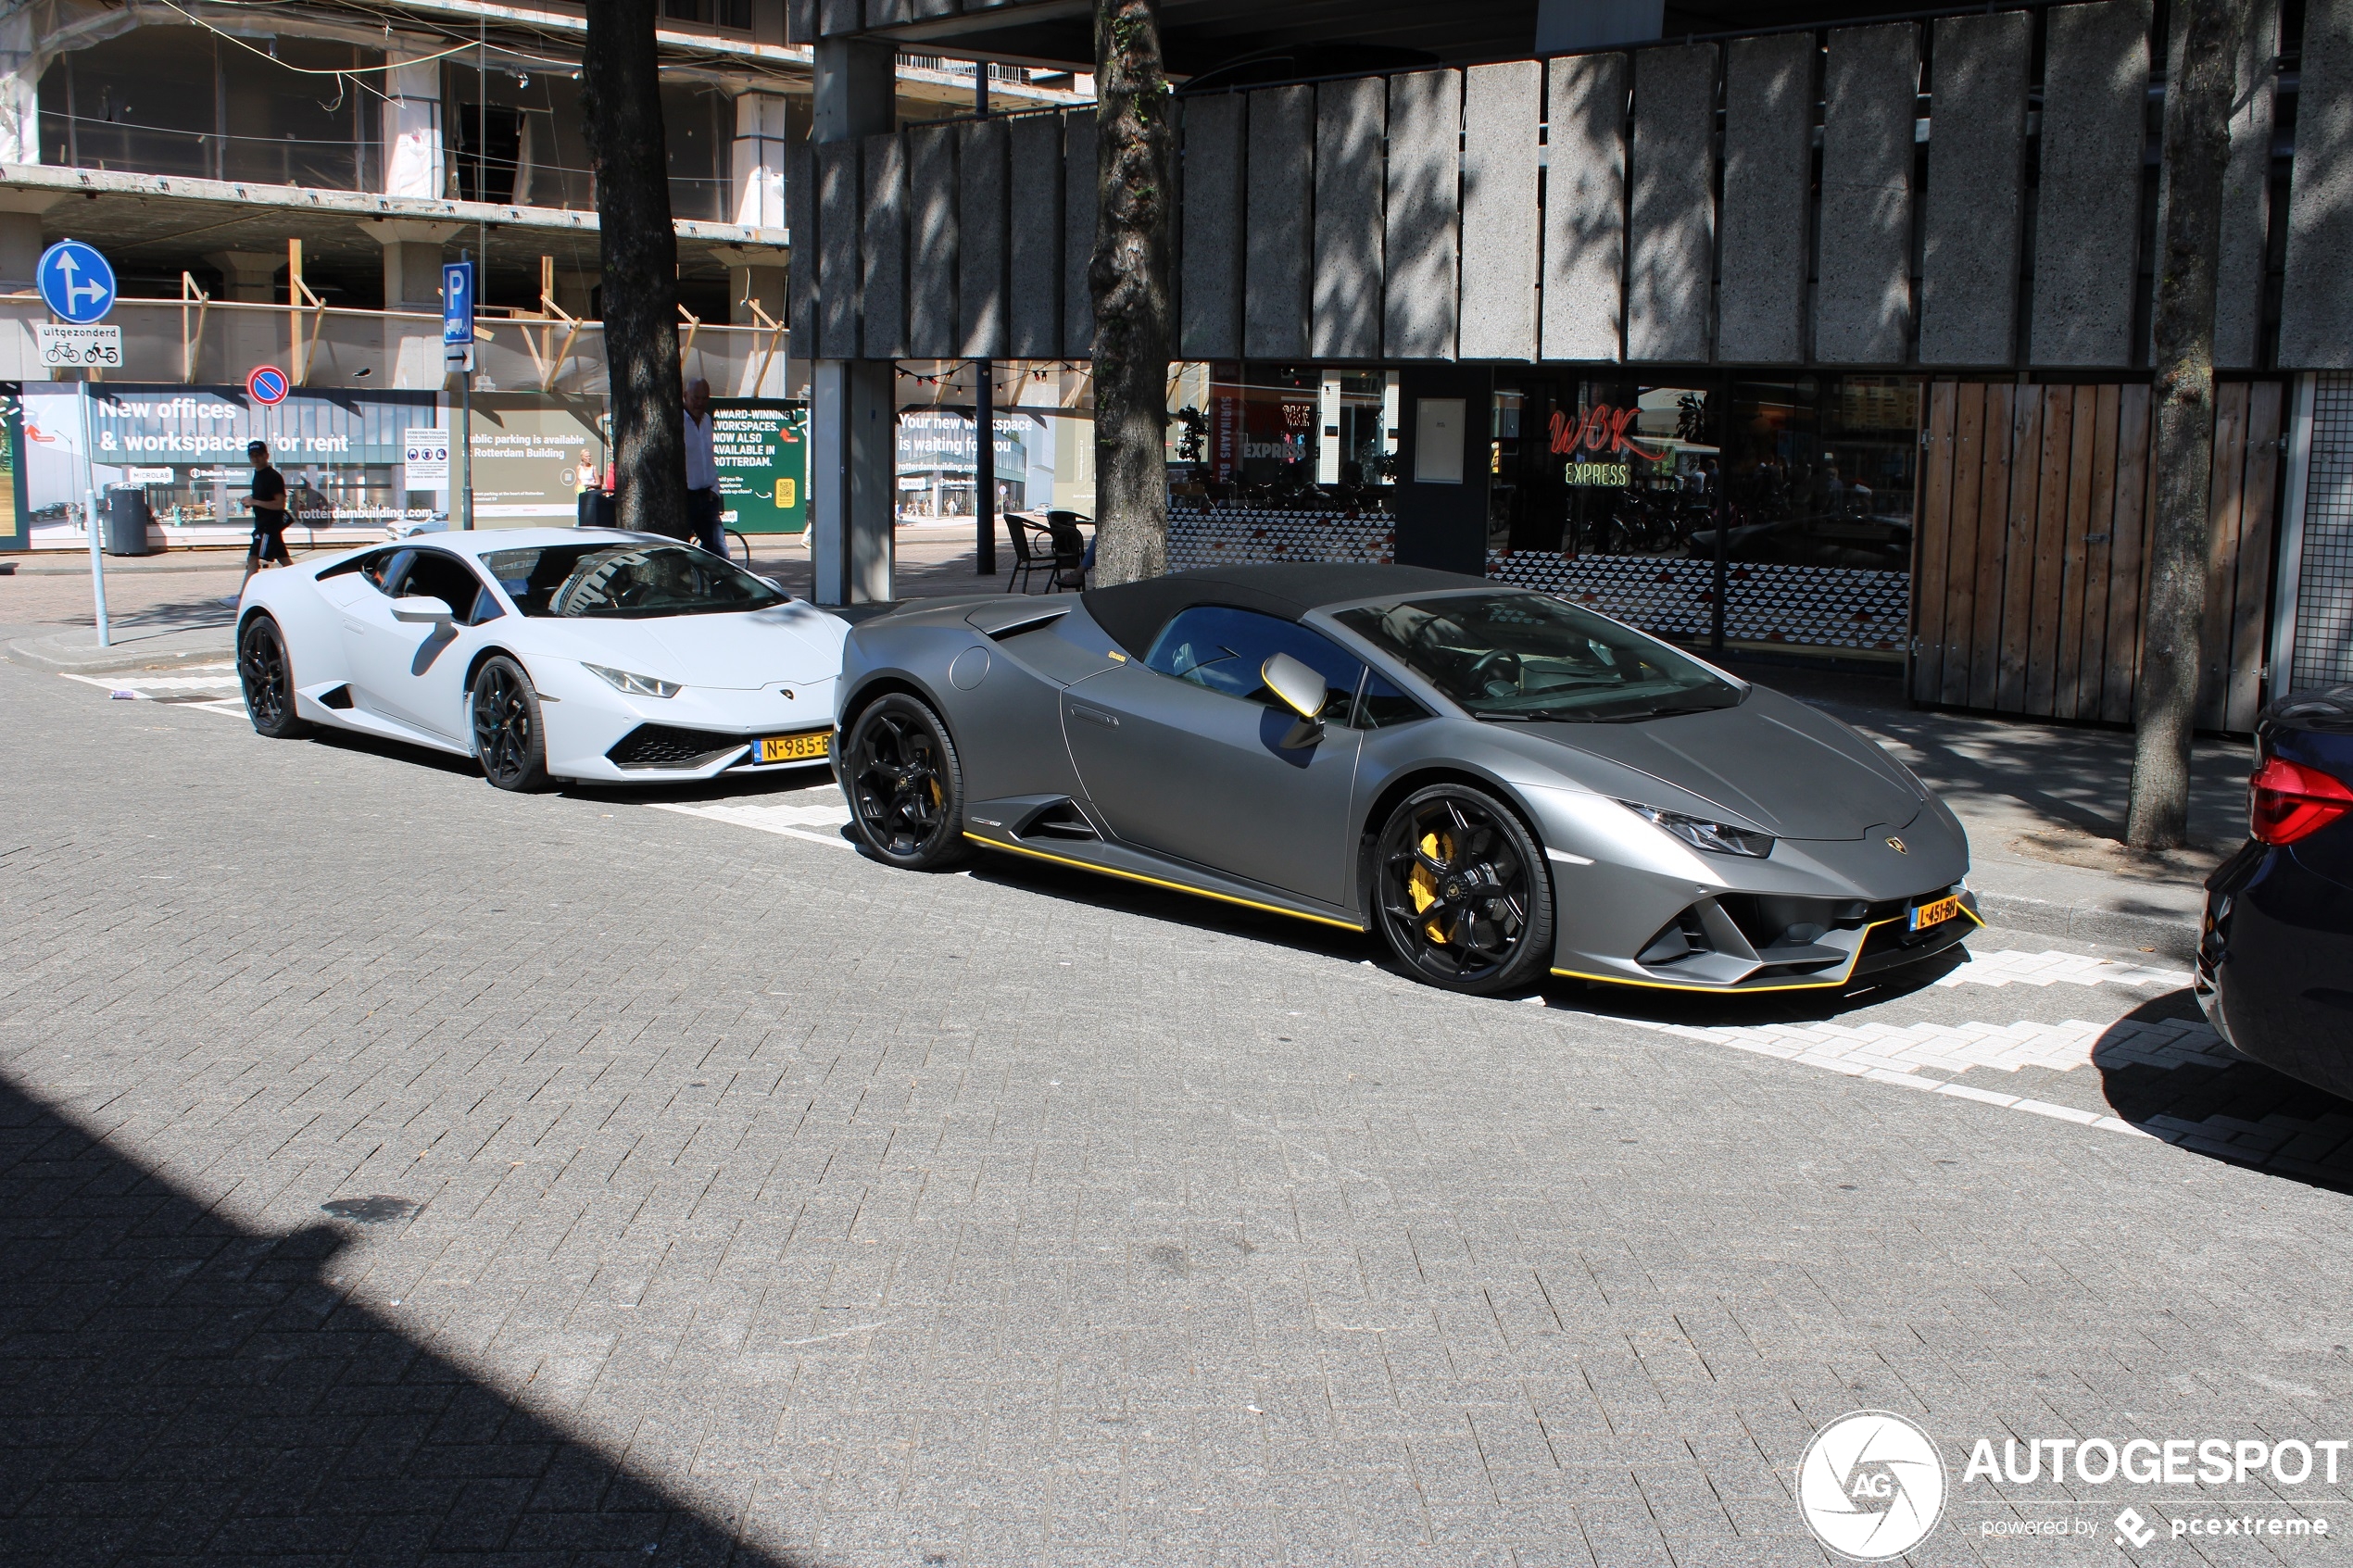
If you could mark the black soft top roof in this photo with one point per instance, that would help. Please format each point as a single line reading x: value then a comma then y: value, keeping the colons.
x: 1134, y: 612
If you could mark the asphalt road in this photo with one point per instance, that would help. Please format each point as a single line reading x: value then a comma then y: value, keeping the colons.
x: 392, y: 1169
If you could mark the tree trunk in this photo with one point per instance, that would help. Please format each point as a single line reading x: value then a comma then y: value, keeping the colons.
x: 2197, y: 144
x: 1128, y: 278
x: 620, y: 90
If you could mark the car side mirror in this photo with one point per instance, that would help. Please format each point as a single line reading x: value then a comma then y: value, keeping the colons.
x: 419, y: 610
x: 1301, y: 689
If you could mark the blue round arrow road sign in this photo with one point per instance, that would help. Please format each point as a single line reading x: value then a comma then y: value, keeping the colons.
x: 268, y: 384
x: 76, y: 282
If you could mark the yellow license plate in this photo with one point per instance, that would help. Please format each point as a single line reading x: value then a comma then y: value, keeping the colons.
x: 811, y: 746
x: 1935, y: 914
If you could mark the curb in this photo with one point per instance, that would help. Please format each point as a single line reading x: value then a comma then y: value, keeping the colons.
x: 41, y: 653
x: 2172, y: 936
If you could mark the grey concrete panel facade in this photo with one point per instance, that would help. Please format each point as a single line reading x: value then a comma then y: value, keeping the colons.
x: 837, y: 17
x: 1210, y: 308
x: 1422, y: 215
x: 2095, y: 80
x: 1584, y: 263
x: 1350, y: 122
x: 2247, y: 195
x: 1278, y: 251
x: 1035, y: 245
x: 1078, y: 231
x: 890, y: 13
x: 838, y: 200
x: 1863, y: 307
x: 931, y: 242
x: 1975, y: 199
x: 883, y: 247
x: 800, y: 216
x: 982, y: 316
x: 2316, y: 308
x: 1768, y: 158
x: 1671, y: 254
x: 1503, y: 113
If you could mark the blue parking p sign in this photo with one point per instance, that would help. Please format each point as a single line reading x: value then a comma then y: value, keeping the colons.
x: 76, y: 283
x: 456, y: 304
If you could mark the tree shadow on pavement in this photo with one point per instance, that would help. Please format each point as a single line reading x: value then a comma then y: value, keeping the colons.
x: 177, y: 1388
x: 2165, y: 1070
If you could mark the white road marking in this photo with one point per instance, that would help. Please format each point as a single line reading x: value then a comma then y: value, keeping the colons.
x: 148, y: 688
x: 792, y: 821
x: 1895, y: 1053
x: 2006, y: 967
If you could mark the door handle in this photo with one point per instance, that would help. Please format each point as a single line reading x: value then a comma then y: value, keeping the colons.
x: 1093, y: 717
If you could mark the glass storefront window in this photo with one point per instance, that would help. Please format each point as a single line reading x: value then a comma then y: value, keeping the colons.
x: 1288, y: 434
x: 1600, y: 467
x: 1811, y: 470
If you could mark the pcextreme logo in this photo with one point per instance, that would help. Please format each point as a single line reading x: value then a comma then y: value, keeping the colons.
x: 1871, y: 1485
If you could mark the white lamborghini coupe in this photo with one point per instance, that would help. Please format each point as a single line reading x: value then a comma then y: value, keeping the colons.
x: 546, y: 653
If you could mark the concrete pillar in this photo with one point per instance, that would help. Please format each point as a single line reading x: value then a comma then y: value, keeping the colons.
x: 250, y: 277
x: 852, y: 413
x: 412, y: 113
x: 21, y: 241
x: 19, y: 88
x: 755, y: 273
x: 757, y: 167
x: 412, y: 261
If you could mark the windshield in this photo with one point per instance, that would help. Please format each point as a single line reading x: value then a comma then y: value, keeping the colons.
x: 626, y: 581
x: 1508, y: 654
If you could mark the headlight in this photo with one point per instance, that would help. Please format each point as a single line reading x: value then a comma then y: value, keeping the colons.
x: 1700, y: 834
x: 636, y: 685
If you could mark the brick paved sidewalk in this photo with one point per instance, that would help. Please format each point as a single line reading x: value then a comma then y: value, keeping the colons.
x: 393, y: 1170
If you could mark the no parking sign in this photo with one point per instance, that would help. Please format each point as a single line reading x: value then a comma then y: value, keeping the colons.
x: 269, y: 385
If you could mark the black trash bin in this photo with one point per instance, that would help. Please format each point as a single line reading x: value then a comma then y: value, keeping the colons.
x: 596, y: 508
x: 126, y: 520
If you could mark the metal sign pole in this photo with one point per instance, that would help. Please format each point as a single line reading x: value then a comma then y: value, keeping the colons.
x: 458, y: 354
x: 90, y: 490
x: 77, y: 285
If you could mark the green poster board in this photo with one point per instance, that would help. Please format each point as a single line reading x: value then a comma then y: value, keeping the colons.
x: 16, y: 532
x: 761, y: 451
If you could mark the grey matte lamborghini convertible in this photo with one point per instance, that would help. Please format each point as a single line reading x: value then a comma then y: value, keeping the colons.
x: 1502, y: 782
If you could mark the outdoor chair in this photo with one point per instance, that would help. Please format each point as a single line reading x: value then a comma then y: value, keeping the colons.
x: 1069, y: 547
x: 1033, y: 550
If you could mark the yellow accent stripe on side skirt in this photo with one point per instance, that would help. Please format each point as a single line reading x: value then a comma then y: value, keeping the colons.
x: 1843, y: 974
x: 1157, y: 882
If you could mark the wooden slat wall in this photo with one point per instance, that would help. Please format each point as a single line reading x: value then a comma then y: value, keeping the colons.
x: 2032, y: 549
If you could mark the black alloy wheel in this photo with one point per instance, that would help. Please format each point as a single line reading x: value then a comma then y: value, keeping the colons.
x: 1461, y: 893
x: 906, y: 790
x: 266, y: 675
x: 509, y: 739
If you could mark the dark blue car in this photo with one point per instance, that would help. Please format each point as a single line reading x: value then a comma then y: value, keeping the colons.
x: 2276, y: 964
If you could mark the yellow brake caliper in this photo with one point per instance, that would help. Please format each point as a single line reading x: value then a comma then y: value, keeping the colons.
x: 1422, y: 883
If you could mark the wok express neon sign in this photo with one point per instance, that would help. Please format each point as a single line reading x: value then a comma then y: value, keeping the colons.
x: 1593, y: 442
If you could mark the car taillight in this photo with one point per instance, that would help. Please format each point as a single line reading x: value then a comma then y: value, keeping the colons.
x: 2287, y: 801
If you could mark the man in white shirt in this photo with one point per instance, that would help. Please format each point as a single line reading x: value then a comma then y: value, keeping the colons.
x: 702, y: 471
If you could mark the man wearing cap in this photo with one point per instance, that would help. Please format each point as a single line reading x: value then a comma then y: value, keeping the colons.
x: 268, y: 504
